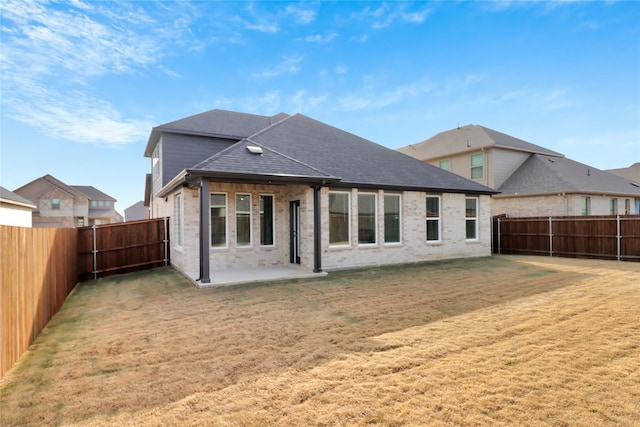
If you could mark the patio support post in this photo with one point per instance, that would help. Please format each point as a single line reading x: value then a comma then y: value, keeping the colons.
x: 204, y: 232
x: 317, y: 257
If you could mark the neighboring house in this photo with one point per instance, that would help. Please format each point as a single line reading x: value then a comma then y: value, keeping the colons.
x: 14, y: 209
x: 631, y: 173
x: 531, y: 180
x: 60, y: 205
x: 246, y: 190
x: 136, y: 212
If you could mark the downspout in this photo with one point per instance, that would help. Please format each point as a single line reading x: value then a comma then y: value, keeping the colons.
x: 204, y: 232
x: 317, y: 255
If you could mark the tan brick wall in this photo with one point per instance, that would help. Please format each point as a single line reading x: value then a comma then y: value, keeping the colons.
x: 555, y: 205
x: 413, y: 247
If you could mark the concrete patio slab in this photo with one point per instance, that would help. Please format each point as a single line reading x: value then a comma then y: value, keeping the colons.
x: 238, y: 276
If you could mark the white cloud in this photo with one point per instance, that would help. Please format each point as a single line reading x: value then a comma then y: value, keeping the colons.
x: 77, y: 117
x: 386, y: 15
x: 376, y: 100
x: 52, y: 52
x: 288, y: 65
x: 319, y: 38
x: 303, y: 16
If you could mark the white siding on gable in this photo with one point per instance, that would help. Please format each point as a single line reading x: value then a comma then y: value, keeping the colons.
x: 17, y: 216
x: 505, y: 163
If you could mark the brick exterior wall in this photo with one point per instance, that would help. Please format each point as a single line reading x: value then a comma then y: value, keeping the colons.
x: 557, y: 205
x: 413, y: 247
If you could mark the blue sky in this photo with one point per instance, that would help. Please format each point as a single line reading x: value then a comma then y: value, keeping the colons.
x: 84, y: 82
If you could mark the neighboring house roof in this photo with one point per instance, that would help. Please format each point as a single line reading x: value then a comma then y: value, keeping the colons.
x: 12, y: 198
x: 51, y: 181
x: 541, y: 174
x: 299, y: 148
x: 218, y: 123
x: 93, y: 193
x: 632, y: 172
x: 136, y: 212
x: 469, y: 138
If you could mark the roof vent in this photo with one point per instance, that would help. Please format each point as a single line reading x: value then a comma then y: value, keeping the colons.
x: 254, y: 149
x: 634, y: 184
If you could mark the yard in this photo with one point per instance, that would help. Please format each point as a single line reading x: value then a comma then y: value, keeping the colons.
x: 506, y: 340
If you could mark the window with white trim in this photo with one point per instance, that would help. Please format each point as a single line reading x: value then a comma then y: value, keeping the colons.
x: 243, y: 219
x: 586, y: 206
x: 218, y: 220
x: 627, y: 206
x: 339, y: 219
x: 477, y: 166
x: 267, y: 220
x: 613, y: 206
x: 177, y: 220
x: 392, y: 218
x: 433, y: 218
x: 55, y: 203
x: 471, y: 218
x: 367, y: 213
x: 445, y: 164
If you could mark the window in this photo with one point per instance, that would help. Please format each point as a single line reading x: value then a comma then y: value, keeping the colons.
x: 94, y: 203
x: 392, y: 218
x: 79, y: 221
x: 55, y: 203
x: 107, y: 203
x: 243, y: 219
x: 177, y: 220
x: 267, y: 220
x: 366, y: 218
x: 218, y: 220
x: 477, y: 166
x: 613, y: 206
x: 445, y: 164
x: 471, y: 217
x: 586, y: 206
x: 627, y: 206
x: 637, y: 203
x: 433, y: 218
x: 339, y: 229
x: 101, y: 204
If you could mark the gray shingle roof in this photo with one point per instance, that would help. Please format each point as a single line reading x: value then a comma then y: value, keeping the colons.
x: 218, y: 123
x: 299, y: 145
x: 92, y: 193
x: 469, y: 138
x: 542, y: 174
x: 238, y: 161
x: 13, y: 198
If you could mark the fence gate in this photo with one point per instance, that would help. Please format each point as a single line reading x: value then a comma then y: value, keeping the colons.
x: 122, y: 247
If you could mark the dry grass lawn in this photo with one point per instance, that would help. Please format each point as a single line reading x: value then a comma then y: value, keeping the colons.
x: 506, y: 340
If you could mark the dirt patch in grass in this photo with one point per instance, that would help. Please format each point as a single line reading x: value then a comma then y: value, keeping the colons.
x: 495, y: 341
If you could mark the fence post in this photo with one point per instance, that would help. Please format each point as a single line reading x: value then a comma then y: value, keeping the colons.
x: 499, y: 238
x: 166, y: 241
x: 95, y: 252
x: 550, y: 236
x: 618, y: 237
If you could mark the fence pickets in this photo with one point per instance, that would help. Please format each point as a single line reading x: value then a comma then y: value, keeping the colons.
x: 41, y: 266
x: 39, y: 270
x: 602, y: 237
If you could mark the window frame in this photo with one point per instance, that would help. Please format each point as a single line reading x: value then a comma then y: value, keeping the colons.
x: 226, y: 220
x: 341, y: 244
x: 399, y: 197
x: 627, y: 206
x: 437, y: 219
x: 613, y: 206
x: 250, y: 242
x: 481, y: 166
x: 178, y: 220
x: 468, y: 219
x: 375, y: 218
x: 55, y: 203
x: 447, y: 162
x: 585, y: 206
x: 273, y: 219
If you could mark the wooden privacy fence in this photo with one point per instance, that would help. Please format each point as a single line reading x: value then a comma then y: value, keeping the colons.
x: 602, y: 237
x: 123, y: 247
x: 39, y: 270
